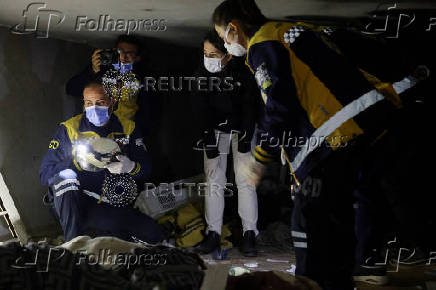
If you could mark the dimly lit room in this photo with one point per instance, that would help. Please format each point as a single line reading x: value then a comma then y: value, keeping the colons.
x: 236, y: 144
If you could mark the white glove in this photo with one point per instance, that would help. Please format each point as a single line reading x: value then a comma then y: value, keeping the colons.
x: 125, y: 165
x: 252, y: 169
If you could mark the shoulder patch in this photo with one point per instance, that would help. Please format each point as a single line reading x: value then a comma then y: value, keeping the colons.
x: 262, y: 77
x: 263, y: 80
x: 54, y: 144
x: 140, y: 142
x: 328, y: 30
x: 293, y: 33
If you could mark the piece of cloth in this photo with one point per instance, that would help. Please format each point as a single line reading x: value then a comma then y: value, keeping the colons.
x: 123, y: 165
x: 215, y: 172
x: 188, y: 225
x: 78, y: 212
x: 100, y: 263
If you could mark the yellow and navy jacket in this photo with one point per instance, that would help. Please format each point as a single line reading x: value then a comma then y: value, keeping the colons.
x: 60, y: 156
x: 316, y: 98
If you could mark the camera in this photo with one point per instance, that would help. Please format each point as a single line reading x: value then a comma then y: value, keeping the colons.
x: 108, y: 57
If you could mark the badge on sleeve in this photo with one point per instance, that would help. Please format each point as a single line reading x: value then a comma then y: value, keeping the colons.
x: 263, y: 80
x: 292, y: 34
x: 140, y: 142
x: 53, y: 144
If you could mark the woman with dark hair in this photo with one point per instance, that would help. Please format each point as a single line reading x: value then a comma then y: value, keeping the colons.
x: 226, y: 117
x: 317, y: 101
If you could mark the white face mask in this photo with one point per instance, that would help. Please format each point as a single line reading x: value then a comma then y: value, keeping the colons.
x: 234, y: 48
x: 213, y: 64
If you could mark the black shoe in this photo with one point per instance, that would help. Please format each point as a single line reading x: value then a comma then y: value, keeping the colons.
x: 209, y: 244
x: 371, y: 274
x: 248, y: 247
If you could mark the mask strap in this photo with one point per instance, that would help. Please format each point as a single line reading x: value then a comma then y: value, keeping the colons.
x: 227, y: 32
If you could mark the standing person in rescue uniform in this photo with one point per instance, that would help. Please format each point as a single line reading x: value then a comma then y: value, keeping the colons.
x: 323, y: 114
x: 227, y: 120
x: 78, y: 200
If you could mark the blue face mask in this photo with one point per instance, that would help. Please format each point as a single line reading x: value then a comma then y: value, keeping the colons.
x: 97, y: 115
x: 123, y: 67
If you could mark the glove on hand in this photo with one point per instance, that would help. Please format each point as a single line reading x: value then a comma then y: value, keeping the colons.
x: 125, y: 165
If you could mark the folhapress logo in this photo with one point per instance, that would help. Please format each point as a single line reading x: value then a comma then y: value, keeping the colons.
x: 38, y: 20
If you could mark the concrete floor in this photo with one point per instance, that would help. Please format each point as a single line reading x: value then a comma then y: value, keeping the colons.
x: 271, y: 259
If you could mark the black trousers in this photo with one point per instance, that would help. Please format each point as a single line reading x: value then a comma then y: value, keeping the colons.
x: 79, y: 214
x: 323, y: 222
x: 388, y: 182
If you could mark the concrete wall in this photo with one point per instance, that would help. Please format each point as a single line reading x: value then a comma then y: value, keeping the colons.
x: 32, y: 102
x: 33, y: 73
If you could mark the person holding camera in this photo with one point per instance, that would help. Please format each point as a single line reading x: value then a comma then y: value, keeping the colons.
x: 124, y: 65
x: 129, y: 50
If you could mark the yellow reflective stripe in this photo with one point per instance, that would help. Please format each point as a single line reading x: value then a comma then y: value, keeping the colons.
x: 297, y: 182
x: 136, y: 169
x: 263, y: 152
x: 264, y: 98
x: 261, y: 158
x: 266, y: 84
x: 77, y: 165
x: 246, y: 63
